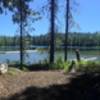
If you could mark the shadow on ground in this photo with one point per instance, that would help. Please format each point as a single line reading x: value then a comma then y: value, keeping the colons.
x: 83, y: 87
x: 34, y: 67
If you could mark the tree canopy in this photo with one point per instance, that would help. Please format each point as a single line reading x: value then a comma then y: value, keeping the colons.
x: 15, y: 6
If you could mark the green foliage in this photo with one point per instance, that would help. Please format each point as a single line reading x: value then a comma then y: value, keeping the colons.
x: 59, y: 64
x: 15, y: 6
x: 82, y: 66
x: 86, y: 40
x: 67, y: 65
x: 45, y: 65
x: 89, y: 66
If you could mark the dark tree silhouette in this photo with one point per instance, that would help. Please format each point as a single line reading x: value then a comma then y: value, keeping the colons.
x: 67, y: 28
x: 69, y: 23
x: 20, y: 11
x: 21, y: 35
x: 52, y: 29
x: 21, y: 15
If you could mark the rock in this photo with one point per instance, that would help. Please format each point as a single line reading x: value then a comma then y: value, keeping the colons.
x: 3, y: 68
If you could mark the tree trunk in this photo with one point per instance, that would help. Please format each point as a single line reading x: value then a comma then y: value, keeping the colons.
x: 77, y: 52
x: 21, y: 36
x: 66, y: 29
x: 52, y: 31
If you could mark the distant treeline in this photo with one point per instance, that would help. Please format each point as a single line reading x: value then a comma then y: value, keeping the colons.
x: 74, y: 39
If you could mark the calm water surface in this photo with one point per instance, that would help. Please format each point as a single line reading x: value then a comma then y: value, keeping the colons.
x: 39, y: 56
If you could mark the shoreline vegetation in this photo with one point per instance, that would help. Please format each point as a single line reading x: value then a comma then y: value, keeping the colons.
x: 12, y: 49
x: 47, y: 50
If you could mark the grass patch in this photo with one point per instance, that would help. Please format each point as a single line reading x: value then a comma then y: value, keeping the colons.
x: 88, y: 66
x: 82, y: 66
x: 14, y: 71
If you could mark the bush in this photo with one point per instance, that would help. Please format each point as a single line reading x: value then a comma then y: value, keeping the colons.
x: 89, y: 66
x: 60, y: 64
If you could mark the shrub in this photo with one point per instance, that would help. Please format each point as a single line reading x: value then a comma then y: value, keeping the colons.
x: 89, y: 66
x: 60, y: 64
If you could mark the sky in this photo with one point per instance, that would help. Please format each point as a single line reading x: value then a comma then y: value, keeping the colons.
x: 86, y: 15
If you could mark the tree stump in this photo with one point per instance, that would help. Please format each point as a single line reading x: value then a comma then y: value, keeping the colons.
x: 77, y: 52
x: 72, y: 67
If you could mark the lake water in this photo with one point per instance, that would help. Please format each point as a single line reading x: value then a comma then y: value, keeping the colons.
x: 39, y: 56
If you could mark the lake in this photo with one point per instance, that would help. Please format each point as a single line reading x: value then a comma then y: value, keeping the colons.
x: 35, y: 56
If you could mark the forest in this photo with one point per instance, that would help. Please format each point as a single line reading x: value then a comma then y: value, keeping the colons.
x: 74, y: 39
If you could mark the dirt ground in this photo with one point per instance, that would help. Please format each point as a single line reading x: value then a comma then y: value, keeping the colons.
x: 13, y: 84
x: 50, y: 85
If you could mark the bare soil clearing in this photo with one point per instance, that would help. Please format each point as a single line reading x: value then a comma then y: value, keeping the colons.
x: 50, y: 85
x: 12, y: 84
